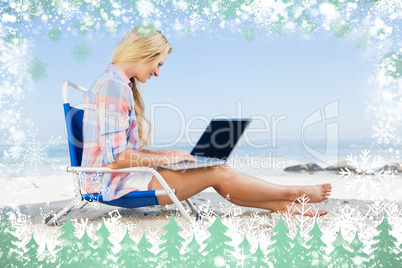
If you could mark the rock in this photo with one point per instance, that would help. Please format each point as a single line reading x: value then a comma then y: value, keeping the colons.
x: 394, y: 168
x: 304, y: 167
x: 341, y: 165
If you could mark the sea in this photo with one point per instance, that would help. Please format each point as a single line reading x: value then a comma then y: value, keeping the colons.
x: 41, y: 159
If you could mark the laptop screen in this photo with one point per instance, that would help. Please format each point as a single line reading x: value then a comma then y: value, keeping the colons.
x: 220, y: 138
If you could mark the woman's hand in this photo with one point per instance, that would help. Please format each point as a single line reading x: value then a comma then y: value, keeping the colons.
x: 173, y: 156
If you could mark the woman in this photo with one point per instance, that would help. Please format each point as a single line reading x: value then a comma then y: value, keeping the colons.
x: 114, y: 136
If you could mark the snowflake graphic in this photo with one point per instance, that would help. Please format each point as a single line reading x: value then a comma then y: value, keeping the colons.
x: 364, y: 42
x: 110, y: 22
x: 145, y: 8
x: 81, y: 225
x: 383, y: 47
x: 31, y: 155
x: 112, y: 26
x: 21, y: 222
x: 114, y: 215
x: 195, y: 20
x: 181, y: 5
x: 230, y: 213
x: 177, y: 26
x: 87, y: 23
x: 379, y: 207
x: 90, y: 183
x: 380, y: 29
x: 257, y: 226
x: 266, y: 12
x: 45, y: 211
x: 14, y: 57
x: 25, y: 10
x: 367, y: 176
x: 94, y: 3
x: 305, y: 24
x: 17, y: 219
x: 67, y: 10
x: 389, y: 7
x: 383, y: 133
x: 205, y: 209
x: 307, y: 4
x: 300, y: 222
x: 37, y: 70
x: 7, y: 89
x: 10, y: 118
x: 80, y: 52
x: 113, y: 224
x: 346, y: 217
x: 164, y: 256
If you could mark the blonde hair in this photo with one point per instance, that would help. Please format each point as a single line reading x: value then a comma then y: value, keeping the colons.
x: 136, y: 48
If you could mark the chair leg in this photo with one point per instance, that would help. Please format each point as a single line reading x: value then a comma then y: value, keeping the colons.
x: 195, y: 211
x: 83, y: 204
x: 179, y: 206
x: 171, y: 195
x: 52, y: 220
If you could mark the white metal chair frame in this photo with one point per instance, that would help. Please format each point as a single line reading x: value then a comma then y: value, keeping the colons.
x: 78, y: 201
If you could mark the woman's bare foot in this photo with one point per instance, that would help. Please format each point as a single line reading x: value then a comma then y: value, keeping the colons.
x: 315, y: 193
x: 294, y: 208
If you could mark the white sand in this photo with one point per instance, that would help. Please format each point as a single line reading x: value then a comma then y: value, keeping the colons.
x: 51, y: 188
x: 30, y: 200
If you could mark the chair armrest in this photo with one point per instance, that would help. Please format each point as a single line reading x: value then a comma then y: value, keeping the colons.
x: 109, y: 170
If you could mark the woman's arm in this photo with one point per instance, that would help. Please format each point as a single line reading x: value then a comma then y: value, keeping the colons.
x: 133, y: 158
x: 159, y: 152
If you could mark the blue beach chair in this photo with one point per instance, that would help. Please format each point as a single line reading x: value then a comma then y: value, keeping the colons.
x: 73, y: 117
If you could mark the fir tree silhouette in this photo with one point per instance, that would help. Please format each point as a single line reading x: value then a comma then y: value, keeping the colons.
x: 10, y: 254
x: 279, y: 250
x: 31, y: 255
x: 67, y: 250
x: 341, y: 256
x: 144, y: 257
x: 46, y: 258
x: 258, y: 258
x: 170, y: 256
x: 299, y: 251
x: 218, y: 252
x: 193, y: 256
x: 359, y: 257
x: 316, y: 248
x: 103, y: 254
x: 384, y: 250
x: 126, y: 257
x: 86, y: 251
x: 400, y: 253
x: 244, y: 252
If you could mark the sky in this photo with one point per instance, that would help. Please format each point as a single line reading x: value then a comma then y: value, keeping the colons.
x: 278, y: 81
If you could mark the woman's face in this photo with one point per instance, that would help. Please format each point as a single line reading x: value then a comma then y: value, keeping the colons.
x: 145, y: 70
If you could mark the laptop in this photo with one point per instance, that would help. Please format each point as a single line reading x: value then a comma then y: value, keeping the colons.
x: 215, y: 145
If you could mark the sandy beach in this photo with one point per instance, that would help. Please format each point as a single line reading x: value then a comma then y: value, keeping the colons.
x: 27, y: 201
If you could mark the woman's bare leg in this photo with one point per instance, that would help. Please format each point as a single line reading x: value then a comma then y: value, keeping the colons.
x: 280, y: 206
x: 244, y: 189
